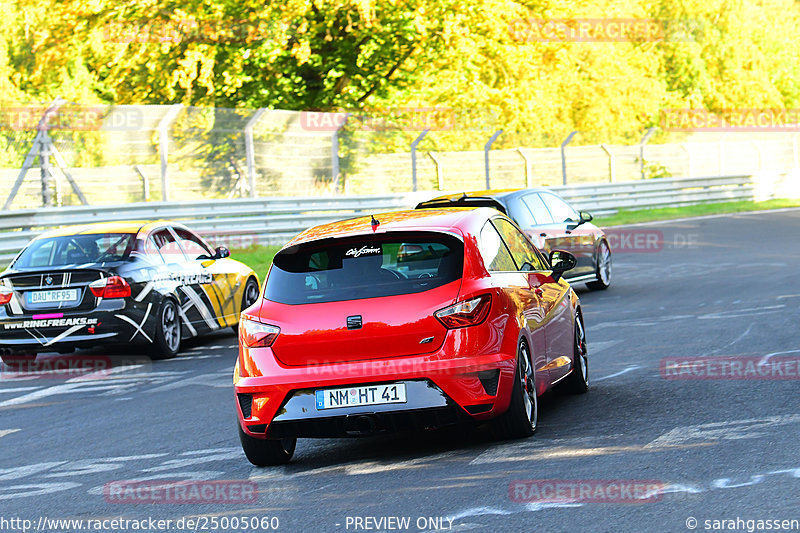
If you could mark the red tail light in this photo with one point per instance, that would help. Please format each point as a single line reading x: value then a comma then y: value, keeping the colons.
x: 254, y: 334
x: 468, y: 313
x: 5, y: 295
x: 111, y: 287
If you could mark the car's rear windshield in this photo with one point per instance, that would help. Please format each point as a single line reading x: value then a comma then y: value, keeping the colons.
x: 372, y: 266
x: 76, y: 250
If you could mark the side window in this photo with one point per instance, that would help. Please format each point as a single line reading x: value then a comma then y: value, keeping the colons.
x: 519, y: 213
x: 561, y: 210
x: 538, y: 209
x: 168, y: 246
x: 525, y: 255
x: 495, y: 255
x: 191, y: 244
x: 151, y: 250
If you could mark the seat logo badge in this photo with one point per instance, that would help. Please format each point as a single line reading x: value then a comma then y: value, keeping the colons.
x: 354, y: 322
x: 426, y: 340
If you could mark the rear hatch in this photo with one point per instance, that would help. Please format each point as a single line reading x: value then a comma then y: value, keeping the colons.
x: 53, y: 273
x: 362, y: 298
x: 51, y: 290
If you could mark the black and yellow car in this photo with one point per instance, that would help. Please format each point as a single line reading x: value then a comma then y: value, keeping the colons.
x: 152, y: 284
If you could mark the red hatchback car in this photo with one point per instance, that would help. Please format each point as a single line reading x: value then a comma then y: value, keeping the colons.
x: 411, y: 320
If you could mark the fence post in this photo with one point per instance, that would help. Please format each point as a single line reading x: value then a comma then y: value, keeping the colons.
x: 486, y: 149
x: 528, y: 169
x: 564, y: 156
x: 163, y: 146
x: 249, y: 150
x: 439, y: 177
x: 145, y: 182
x: 644, y: 140
x: 414, y: 158
x: 760, y: 155
x: 685, y: 148
x: 335, y: 153
x: 44, y: 169
x: 612, y: 169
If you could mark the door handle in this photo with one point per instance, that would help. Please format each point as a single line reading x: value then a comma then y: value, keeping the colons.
x: 538, y: 291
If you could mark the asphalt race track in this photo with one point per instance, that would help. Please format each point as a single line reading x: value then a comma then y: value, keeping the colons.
x: 708, y: 449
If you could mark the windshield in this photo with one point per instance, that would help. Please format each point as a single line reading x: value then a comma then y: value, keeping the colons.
x: 364, y: 267
x: 76, y: 250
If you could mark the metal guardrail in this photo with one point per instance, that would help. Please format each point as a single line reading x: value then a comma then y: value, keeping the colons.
x: 276, y: 220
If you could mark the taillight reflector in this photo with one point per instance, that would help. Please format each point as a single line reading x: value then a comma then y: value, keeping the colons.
x: 111, y: 287
x: 467, y: 313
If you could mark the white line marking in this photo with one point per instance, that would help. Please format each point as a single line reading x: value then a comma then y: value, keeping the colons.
x: 144, y: 292
x: 195, y: 298
x: 599, y: 346
x: 706, y: 217
x: 734, y: 341
x: 140, y: 326
x: 104, y: 374
x: 731, y: 430
x: 629, y: 369
x: 186, y: 321
x: 70, y: 331
x: 767, y: 357
x: 19, y: 389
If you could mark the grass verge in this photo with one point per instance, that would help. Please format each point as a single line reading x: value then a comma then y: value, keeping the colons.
x: 633, y: 216
x: 259, y: 258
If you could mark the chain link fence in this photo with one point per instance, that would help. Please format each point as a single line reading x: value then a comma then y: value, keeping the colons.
x: 123, y: 154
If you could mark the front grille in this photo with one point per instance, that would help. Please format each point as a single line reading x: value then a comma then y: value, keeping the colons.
x: 246, y: 404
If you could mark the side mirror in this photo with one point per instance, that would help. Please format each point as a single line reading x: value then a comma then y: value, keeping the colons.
x: 560, y: 262
x: 221, y: 253
x: 585, y: 217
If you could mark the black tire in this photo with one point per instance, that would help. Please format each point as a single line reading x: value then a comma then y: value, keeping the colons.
x: 603, y: 269
x: 267, y: 452
x: 523, y: 413
x: 577, y: 382
x: 249, y: 297
x: 18, y: 360
x: 167, y: 339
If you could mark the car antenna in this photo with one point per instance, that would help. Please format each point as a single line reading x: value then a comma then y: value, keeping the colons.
x: 375, y: 223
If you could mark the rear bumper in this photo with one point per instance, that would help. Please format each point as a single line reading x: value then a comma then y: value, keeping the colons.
x: 78, y: 329
x: 440, y: 391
